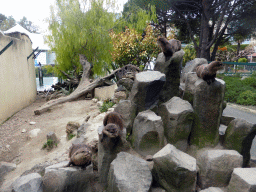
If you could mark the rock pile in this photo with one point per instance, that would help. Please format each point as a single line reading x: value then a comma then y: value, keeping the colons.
x: 175, y: 143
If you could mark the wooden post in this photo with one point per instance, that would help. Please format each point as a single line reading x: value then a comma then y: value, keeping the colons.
x: 40, y: 75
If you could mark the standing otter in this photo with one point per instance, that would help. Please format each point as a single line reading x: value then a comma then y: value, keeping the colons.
x: 114, y: 118
x: 80, y: 155
x: 111, y: 136
x: 169, y: 47
x: 208, y: 71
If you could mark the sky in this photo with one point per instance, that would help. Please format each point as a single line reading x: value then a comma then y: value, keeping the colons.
x: 36, y: 11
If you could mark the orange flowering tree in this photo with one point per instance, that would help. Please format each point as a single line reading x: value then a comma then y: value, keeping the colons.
x: 130, y: 47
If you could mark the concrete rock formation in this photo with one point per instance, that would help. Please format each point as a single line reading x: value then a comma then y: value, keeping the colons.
x: 178, y: 116
x: 207, y: 104
x: 239, y: 136
x: 243, y: 180
x: 216, y: 167
x: 129, y: 173
x: 174, y: 170
x: 148, y: 133
x: 171, y: 68
x: 31, y: 182
x: 60, y: 178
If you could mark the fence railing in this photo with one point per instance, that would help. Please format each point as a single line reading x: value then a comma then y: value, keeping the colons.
x: 244, y: 69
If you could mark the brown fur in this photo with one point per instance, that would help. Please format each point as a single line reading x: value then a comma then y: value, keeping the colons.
x: 80, y: 155
x: 114, y: 118
x: 169, y: 47
x: 208, y: 72
x: 111, y: 135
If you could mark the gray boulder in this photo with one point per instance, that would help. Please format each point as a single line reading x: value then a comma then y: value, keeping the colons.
x: 216, y: 167
x: 191, y: 67
x: 64, y: 179
x: 207, y: 104
x: 29, y: 183
x: 129, y: 173
x: 174, y: 170
x: 148, y: 133
x: 189, y: 89
x: 124, y: 108
x: 243, y: 180
x: 146, y: 88
x: 171, y: 68
x: 212, y: 189
x: 5, y: 168
x: 178, y: 117
x: 82, y: 129
x: 127, y: 83
x: 239, y: 136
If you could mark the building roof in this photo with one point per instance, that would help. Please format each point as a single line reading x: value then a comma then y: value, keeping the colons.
x: 253, y: 55
x: 37, y: 39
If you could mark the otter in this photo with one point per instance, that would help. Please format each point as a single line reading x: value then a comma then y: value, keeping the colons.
x: 169, y: 47
x: 207, y: 72
x: 80, y: 155
x: 111, y: 136
x: 114, y: 118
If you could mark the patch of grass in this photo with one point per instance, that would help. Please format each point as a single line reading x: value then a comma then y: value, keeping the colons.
x: 49, y: 144
x: 106, y: 105
x: 71, y: 135
x: 240, y: 91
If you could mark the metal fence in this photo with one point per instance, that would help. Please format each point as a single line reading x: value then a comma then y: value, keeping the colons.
x: 245, y: 69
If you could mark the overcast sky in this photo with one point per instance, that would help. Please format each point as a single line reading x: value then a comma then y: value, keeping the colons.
x: 34, y: 10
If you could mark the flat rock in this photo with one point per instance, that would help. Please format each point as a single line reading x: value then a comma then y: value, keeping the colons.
x: 129, y: 173
x: 216, y: 167
x: 174, y: 170
x: 212, y: 189
x: 243, y: 180
x: 29, y: 183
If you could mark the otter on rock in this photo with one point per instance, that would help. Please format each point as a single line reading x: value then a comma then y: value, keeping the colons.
x: 114, y: 118
x: 80, y: 155
x: 169, y: 47
x: 111, y: 136
x: 207, y: 72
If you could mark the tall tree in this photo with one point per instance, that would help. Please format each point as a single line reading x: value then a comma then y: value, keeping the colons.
x: 28, y: 25
x: 206, y: 21
x: 161, y: 9
x: 75, y: 31
x: 6, y: 22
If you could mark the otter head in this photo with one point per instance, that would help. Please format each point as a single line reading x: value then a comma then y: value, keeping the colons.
x: 113, y: 129
x: 216, y: 65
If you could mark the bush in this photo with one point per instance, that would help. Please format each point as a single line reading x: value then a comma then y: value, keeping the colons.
x: 242, y: 60
x: 106, y: 105
x: 250, y: 81
x: 247, y: 98
x: 240, y: 91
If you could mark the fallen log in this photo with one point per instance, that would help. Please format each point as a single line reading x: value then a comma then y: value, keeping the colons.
x: 83, y: 88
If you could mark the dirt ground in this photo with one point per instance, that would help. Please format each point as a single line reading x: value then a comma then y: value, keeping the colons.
x: 17, y: 147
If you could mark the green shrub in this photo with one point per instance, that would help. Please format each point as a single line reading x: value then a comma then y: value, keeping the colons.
x: 71, y: 135
x: 237, y: 90
x: 250, y: 81
x: 49, y: 144
x: 242, y: 60
x: 247, y: 98
x: 106, y: 105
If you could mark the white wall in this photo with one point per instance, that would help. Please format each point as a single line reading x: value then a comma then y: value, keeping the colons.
x: 17, y: 75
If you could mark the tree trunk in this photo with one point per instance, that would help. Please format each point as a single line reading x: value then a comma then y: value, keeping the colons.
x: 83, y: 88
x: 204, y: 53
x: 238, y: 47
